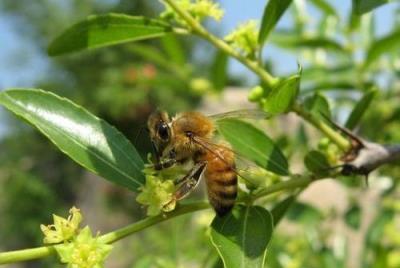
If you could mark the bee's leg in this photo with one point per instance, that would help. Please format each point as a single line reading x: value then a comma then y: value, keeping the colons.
x: 165, y: 164
x: 189, y: 182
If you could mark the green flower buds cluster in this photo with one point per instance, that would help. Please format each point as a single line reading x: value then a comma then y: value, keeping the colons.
x: 79, y: 248
x: 330, y: 149
x: 245, y: 38
x: 198, y: 9
x: 157, y: 194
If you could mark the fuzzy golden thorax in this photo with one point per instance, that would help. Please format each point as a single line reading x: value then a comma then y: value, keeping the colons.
x: 186, y: 127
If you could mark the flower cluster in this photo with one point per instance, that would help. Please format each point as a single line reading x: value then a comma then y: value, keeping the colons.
x: 198, y: 9
x: 245, y: 38
x: 63, y: 229
x: 85, y: 251
x: 157, y: 194
x: 79, y: 248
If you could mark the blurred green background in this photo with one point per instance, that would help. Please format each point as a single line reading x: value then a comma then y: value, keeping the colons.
x: 350, y: 226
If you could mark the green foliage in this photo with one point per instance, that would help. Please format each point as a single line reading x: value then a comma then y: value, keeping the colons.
x: 105, y: 151
x: 363, y: 6
x: 353, y: 216
x: 360, y: 108
x: 326, y: 7
x: 259, y: 148
x: 317, y: 163
x: 241, y: 237
x: 218, y: 71
x: 280, y: 209
x: 387, y: 44
x: 318, y: 105
x: 272, y: 13
x: 290, y: 40
x: 105, y: 30
x: 282, y: 97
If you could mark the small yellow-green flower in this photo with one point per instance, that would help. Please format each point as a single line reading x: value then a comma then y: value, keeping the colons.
x: 85, y: 251
x: 198, y: 9
x: 62, y: 229
x: 157, y: 193
x: 244, y: 37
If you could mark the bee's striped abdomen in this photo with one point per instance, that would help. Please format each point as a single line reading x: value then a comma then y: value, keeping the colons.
x: 221, y: 180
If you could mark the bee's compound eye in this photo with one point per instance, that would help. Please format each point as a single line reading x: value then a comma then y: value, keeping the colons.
x: 162, y: 130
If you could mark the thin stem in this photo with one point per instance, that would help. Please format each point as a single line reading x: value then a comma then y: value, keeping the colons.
x: 41, y: 252
x: 333, y: 135
x: 26, y: 254
x: 285, y: 185
x: 140, y: 225
x: 198, y: 29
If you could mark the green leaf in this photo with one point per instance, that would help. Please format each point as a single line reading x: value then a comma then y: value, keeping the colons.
x: 325, y: 7
x: 387, y: 44
x: 241, y: 237
x: 334, y: 73
x: 272, y: 13
x: 360, y: 108
x: 280, y: 209
x: 318, y: 105
x: 345, y: 84
x: 317, y: 163
x: 174, y: 49
x: 255, y: 145
x: 282, y: 97
x: 105, y: 30
x: 304, y: 213
x: 219, y: 70
x: 363, y: 6
x: 376, y: 229
x: 353, y: 216
x: 292, y: 40
x: 88, y: 140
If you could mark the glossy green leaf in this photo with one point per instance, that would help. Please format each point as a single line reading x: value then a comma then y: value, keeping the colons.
x: 241, y: 237
x: 318, y: 105
x: 280, y: 209
x: 88, y: 140
x: 360, y: 108
x: 387, y: 44
x: 325, y: 7
x: 255, y: 145
x: 105, y: 30
x: 317, y: 163
x: 219, y: 70
x: 282, y: 97
x: 363, y: 6
x: 272, y: 13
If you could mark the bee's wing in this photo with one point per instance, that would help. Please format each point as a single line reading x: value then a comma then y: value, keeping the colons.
x: 244, y: 167
x: 245, y: 113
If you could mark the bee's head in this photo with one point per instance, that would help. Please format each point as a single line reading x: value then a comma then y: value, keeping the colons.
x: 160, y: 130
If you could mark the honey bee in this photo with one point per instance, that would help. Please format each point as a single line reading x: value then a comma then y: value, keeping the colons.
x: 188, y: 137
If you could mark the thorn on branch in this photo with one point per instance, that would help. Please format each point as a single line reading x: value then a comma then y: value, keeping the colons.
x: 365, y: 156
